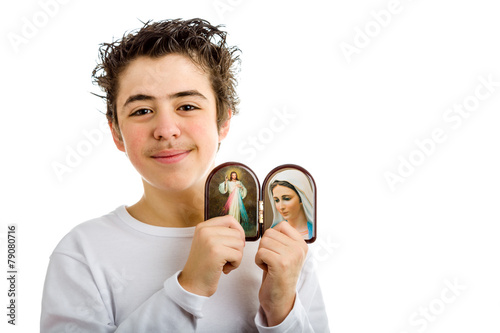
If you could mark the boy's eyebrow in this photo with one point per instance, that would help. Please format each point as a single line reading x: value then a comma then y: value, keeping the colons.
x: 195, y: 93
x: 138, y: 97
x: 142, y: 97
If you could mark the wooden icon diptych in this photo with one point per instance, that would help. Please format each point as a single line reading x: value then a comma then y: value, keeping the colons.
x: 288, y: 194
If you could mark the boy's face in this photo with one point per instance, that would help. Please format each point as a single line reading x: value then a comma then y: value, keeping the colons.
x: 166, y: 113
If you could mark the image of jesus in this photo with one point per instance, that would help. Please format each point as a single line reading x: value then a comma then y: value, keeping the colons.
x: 237, y: 192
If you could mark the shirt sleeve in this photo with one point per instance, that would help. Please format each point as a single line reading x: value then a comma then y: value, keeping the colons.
x: 73, y: 303
x: 223, y: 187
x: 308, y: 313
x: 243, y: 190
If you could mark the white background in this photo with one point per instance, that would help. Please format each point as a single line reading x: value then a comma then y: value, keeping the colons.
x: 384, y: 255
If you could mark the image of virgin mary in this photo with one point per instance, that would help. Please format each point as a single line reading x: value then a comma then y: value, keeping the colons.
x: 291, y: 193
x: 237, y: 192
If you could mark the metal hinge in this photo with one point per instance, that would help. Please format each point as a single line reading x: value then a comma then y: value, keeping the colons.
x: 261, y: 212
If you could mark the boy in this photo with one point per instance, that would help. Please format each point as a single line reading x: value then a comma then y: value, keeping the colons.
x: 156, y: 266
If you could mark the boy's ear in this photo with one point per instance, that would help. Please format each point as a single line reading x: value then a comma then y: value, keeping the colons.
x: 224, y: 129
x: 117, y: 138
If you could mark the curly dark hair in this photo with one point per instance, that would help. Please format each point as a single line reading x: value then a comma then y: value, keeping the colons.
x: 202, y: 42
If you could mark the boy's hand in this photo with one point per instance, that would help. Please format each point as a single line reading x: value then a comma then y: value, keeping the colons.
x: 281, y: 254
x: 217, y: 247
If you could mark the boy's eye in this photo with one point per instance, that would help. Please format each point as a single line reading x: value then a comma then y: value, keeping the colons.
x: 141, y: 112
x: 188, y: 107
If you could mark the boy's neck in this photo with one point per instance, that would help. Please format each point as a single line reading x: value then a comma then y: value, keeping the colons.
x: 175, y: 210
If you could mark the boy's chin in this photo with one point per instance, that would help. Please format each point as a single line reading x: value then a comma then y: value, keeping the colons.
x: 176, y: 185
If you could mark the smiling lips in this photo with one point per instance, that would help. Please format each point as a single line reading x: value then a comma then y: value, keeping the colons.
x: 171, y: 156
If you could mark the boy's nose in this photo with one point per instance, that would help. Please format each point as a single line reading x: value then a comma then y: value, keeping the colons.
x: 166, y: 125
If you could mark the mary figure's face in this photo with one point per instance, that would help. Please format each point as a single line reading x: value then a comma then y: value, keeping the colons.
x: 287, y: 202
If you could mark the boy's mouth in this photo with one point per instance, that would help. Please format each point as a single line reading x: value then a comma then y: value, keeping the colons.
x: 170, y: 156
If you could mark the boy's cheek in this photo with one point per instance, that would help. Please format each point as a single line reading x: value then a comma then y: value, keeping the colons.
x: 207, y: 131
x: 203, y: 126
x: 132, y: 137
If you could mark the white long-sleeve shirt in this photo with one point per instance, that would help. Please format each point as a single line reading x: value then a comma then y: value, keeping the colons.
x: 117, y: 274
